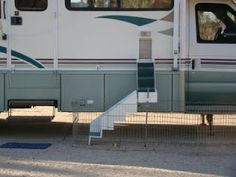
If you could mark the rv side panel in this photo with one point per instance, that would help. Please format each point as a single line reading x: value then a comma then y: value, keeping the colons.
x: 82, y: 91
x: 164, y: 87
x: 117, y: 86
x: 178, y: 93
x: 211, y: 88
x: 91, y: 91
x: 32, y: 85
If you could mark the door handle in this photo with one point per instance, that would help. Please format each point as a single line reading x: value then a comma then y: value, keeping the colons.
x: 4, y: 36
x: 4, y: 9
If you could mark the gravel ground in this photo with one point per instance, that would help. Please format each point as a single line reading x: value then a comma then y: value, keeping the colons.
x: 71, y: 157
x: 68, y: 158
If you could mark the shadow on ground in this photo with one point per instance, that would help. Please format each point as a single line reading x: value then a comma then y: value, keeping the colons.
x: 173, y: 148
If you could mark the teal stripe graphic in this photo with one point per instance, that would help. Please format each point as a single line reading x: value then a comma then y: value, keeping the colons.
x: 139, y: 21
x: 22, y: 57
x: 168, y: 32
x: 26, y: 58
x: 3, y: 49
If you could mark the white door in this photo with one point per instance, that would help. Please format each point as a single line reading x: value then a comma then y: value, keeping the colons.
x: 32, y: 33
x: 3, y: 34
x: 213, y: 32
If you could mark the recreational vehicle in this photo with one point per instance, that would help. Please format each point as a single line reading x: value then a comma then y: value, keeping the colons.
x: 96, y: 55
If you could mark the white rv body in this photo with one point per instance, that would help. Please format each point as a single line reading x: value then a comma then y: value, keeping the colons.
x: 86, y: 59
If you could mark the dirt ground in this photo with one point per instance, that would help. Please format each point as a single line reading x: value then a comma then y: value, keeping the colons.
x: 71, y: 156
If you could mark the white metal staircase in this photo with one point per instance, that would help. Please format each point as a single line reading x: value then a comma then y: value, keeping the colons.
x: 145, y: 93
x: 115, y: 113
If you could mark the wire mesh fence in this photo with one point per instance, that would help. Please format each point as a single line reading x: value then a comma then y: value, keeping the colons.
x: 199, y: 124
x: 150, y: 127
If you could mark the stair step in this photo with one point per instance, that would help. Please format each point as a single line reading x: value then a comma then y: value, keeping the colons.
x: 30, y: 103
x: 146, y: 78
x: 144, y: 89
x: 94, y: 134
x: 146, y: 85
x: 30, y: 119
x: 146, y: 73
x: 148, y: 82
x: 145, y: 64
x: 145, y: 67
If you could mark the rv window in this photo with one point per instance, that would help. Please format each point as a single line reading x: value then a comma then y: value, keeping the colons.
x: 119, y: 4
x: 216, y: 23
x: 148, y: 4
x: 31, y: 5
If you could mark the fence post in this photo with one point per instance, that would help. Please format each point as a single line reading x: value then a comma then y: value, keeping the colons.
x: 75, y: 127
x: 146, y: 121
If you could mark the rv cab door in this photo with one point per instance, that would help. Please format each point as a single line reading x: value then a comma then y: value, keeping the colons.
x: 212, y: 45
x: 212, y: 32
x: 31, y: 33
x: 3, y: 34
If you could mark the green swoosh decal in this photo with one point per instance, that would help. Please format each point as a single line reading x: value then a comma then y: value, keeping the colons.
x: 139, y: 21
x: 26, y: 58
x: 168, y: 32
x: 22, y: 57
x: 3, y: 49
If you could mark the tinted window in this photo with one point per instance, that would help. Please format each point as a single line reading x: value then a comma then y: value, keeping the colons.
x: 216, y: 23
x: 119, y: 4
x: 31, y: 5
x: 148, y: 4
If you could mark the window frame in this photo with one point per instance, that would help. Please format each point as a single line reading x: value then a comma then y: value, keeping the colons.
x: 197, y: 8
x: 67, y: 4
x: 32, y: 9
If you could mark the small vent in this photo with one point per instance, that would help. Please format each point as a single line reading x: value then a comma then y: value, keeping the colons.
x: 145, y: 48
